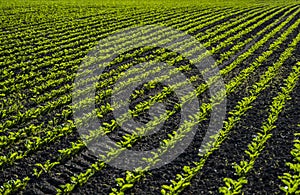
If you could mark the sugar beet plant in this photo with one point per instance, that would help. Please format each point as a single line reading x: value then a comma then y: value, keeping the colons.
x: 168, y: 92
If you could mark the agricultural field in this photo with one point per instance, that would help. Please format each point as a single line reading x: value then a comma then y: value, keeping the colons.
x: 150, y: 97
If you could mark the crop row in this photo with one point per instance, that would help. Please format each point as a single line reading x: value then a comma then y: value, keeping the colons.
x: 234, y: 186
x: 18, y: 87
x: 291, y: 180
x: 242, y: 106
x: 237, y: 81
x: 66, y: 86
x: 36, y: 141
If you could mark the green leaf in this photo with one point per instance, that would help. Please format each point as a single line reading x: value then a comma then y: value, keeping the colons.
x: 167, y: 187
x: 126, y: 186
